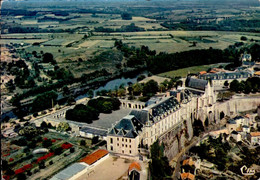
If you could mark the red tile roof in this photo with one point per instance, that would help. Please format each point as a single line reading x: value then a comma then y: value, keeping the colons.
x: 203, y: 72
x: 134, y: 165
x: 188, y: 162
x: 92, y: 158
x: 187, y: 176
x: 255, y: 134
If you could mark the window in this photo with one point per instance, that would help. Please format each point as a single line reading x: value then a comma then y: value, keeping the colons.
x: 126, y: 145
x: 111, y: 140
x: 118, y: 139
x: 129, y: 140
x: 130, y: 152
x: 130, y: 146
x: 125, y: 140
x: 111, y: 148
x: 117, y: 144
x: 122, y: 145
x: 123, y: 151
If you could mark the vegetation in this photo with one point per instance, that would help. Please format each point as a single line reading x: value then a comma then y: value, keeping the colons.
x: 90, y: 112
x: 82, y: 113
x: 215, y: 151
x: 159, y: 166
x: 44, y: 101
x: 250, y: 85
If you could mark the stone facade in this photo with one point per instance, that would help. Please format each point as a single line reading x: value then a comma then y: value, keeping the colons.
x: 169, y: 120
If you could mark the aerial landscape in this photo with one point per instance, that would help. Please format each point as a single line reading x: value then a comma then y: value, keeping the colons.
x: 130, y: 89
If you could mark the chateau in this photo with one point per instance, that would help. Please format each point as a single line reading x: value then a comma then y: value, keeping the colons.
x: 142, y: 127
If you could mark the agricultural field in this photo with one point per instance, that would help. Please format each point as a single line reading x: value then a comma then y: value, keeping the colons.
x: 190, y: 70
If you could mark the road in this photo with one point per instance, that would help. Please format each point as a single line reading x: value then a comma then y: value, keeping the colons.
x: 179, y: 156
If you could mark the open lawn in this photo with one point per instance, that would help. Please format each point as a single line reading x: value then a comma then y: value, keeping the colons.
x: 194, y: 69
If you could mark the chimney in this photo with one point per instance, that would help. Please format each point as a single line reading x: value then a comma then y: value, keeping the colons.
x: 179, y: 96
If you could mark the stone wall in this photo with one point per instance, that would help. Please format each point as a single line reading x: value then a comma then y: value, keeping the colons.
x: 238, y: 104
x: 176, y: 138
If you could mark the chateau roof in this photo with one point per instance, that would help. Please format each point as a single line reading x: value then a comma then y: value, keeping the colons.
x: 142, y: 115
x: 196, y: 83
x: 129, y: 127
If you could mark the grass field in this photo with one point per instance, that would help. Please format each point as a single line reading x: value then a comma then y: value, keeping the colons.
x: 194, y: 69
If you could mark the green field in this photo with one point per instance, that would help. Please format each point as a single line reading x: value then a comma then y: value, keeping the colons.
x: 185, y: 71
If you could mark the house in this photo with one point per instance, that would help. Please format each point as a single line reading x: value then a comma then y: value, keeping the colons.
x: 246, y: 129
x: 255, y: 138
x: 134, y: 171
x: 188, y: 162
x: 231, y: 125
x: 237, y: 124
x: 236, y: 136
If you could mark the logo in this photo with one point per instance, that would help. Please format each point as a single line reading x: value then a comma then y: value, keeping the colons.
x: 247, y: 171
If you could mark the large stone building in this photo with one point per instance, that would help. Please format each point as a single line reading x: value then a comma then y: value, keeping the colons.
x: 141, y: 128
x: 219, y: 78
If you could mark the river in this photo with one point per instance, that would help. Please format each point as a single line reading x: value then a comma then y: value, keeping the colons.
x: 115, y: 83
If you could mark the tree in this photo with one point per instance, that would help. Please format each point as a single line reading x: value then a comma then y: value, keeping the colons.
x: 44, y: 124
x: 137, y: 89
x: 150, y: 88
x: 10, y: 86
x: 63, y: 126
x: 94, y: 140
x: 44, y: 101
x: 226, y: 83
x: 72, y: 150
x: 58, y: 151
x: 46, y: 143
x: 82, y: 113
x: 243, y: 38
x: 234, y: 85
x: 21, y: 176
x: 82, y: 142
x: 48, y: 58
x: 126, y: 16
x: 159, y: 166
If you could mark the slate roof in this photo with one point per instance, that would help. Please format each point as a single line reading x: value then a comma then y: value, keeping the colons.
x: 231, y: 121
x: 165, y: 107
x: 196, y: 83
x: 185, y: 95
x: 226, y: 75
x: 95, y: 131
x: 129, y: 127
x: 234, y: 132
x: 70, y: 171
x: 142, y: 116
